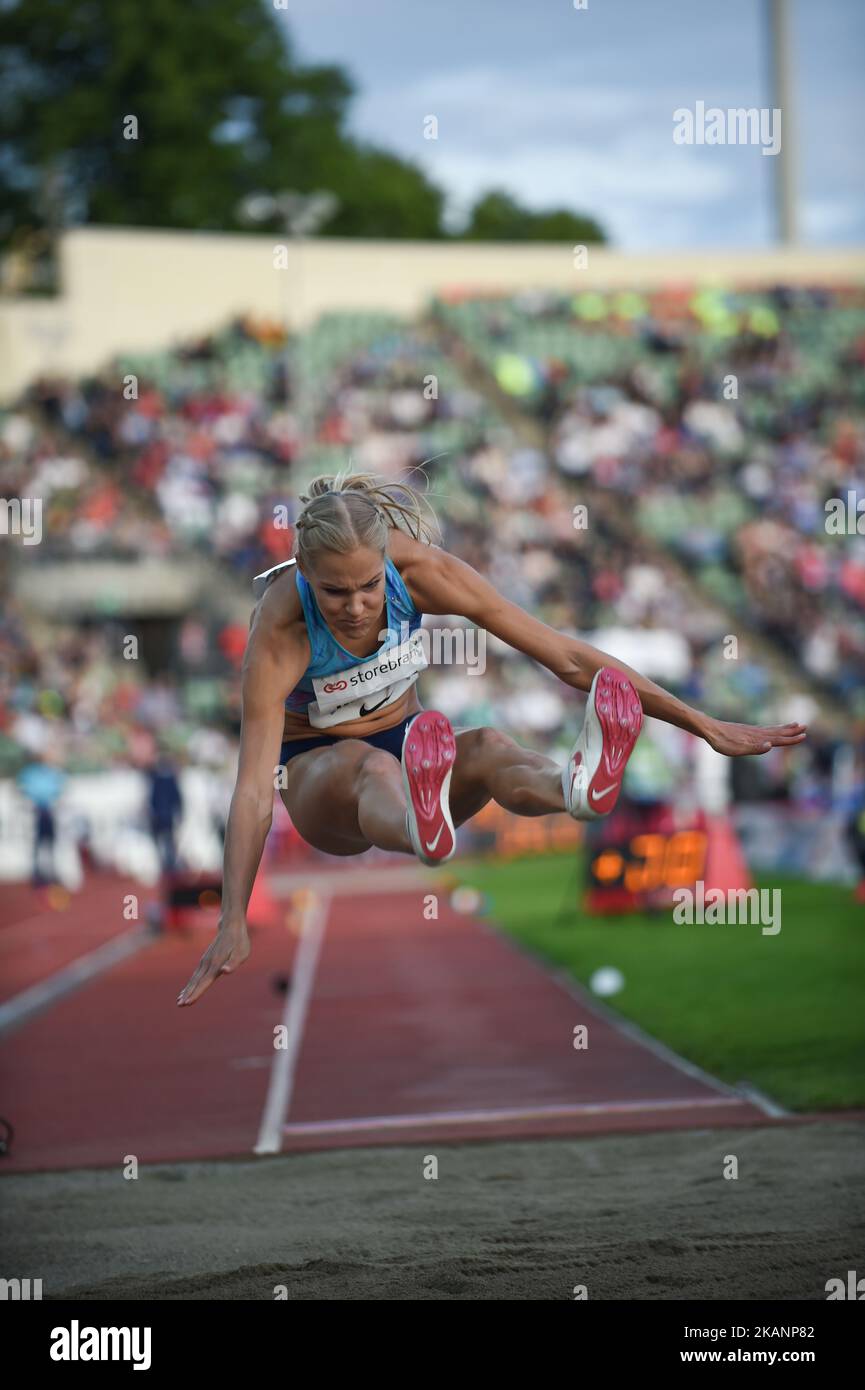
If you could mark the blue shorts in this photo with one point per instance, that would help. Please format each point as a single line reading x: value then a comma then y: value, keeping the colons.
x: 390, y: 739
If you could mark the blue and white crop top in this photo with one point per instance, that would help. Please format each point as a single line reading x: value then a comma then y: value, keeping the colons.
x: 337, y: 685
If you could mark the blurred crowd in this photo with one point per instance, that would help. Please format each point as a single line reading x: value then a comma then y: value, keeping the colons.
x: 204, y: 449
x: 160, y: 453
x: 68, y: 695
x: 723, y: 425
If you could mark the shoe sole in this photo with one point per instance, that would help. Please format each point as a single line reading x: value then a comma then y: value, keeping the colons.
x: 428, y: 754
x: 614, y: 718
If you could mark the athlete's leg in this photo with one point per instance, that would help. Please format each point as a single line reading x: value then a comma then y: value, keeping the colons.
x: 346, y: 797
x: 490, y: 765
x: 381, y: 801
x: 530, y: 784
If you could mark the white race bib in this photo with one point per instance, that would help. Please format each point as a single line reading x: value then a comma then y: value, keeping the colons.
x: 375, y: 684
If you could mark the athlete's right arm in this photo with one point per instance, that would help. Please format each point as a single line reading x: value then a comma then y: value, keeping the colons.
x: 277, y: 654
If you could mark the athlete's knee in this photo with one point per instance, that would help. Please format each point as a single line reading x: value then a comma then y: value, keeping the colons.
x: 328, y: 771
x: 376, y: 763
x: 341, y: 757
x: 485, y: 745
x: 494, y: 738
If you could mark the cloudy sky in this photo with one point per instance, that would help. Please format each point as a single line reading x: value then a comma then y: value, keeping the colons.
x: 574, y: 107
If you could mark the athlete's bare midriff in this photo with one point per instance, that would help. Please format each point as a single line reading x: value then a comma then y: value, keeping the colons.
x: 298, y: 726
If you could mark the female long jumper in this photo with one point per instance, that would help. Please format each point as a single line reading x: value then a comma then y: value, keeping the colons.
x: 330, y: 709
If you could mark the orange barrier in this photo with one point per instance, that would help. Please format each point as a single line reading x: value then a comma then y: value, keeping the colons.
x: 515, y: 835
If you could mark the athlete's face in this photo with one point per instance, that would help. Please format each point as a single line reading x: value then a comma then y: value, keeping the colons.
x: 349, y: 590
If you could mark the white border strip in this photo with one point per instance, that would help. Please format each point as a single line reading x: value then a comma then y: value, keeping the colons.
x: 31, y: 1001
x: 764, y: 1103
x: 281, y: 1083
x: 543, y: 1112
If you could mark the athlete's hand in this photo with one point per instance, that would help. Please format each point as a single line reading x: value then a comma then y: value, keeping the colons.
x: 734, y: 740
x: 229, y: 949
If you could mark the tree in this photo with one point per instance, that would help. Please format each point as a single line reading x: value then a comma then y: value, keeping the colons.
x: 219, y: 109
x: 168, y: 113
x: 498, y: 217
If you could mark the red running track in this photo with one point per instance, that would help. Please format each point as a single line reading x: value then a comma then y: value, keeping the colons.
x: 38, y: 938
x: 399, y: 1029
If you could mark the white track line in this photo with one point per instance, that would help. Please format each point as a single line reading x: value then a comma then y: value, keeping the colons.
x: 543, y: 1112
x: 282, y: 1071
x: 30, y: 1001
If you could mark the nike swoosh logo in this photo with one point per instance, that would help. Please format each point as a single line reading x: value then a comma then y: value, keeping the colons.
x: 364, y: 710
x: 597, y: 796
x: 431, y: 844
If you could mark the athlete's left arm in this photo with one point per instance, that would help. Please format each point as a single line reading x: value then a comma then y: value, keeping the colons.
x: 444, y: 584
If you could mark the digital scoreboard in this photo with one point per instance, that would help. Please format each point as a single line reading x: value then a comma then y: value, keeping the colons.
x: 641, y: 854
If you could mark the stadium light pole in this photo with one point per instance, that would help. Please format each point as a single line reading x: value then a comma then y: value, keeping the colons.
x: 781, y: 96
x: 301, y: 214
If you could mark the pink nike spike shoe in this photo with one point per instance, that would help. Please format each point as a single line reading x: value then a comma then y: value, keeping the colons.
x: 592, y: 776
x: 428, y: 753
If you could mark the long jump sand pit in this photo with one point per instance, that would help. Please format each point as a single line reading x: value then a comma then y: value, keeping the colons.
x: 647, y: 1216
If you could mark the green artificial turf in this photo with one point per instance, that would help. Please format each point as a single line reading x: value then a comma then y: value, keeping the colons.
x: 785, y: 1012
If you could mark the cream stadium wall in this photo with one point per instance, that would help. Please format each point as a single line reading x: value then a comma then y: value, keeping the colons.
x: 128, y: 289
